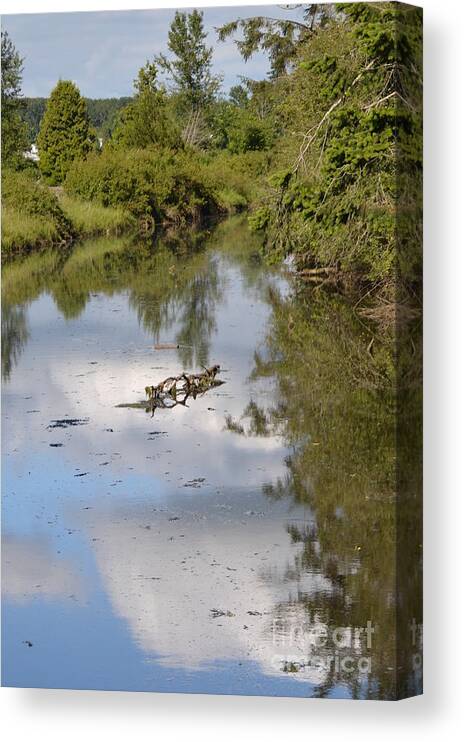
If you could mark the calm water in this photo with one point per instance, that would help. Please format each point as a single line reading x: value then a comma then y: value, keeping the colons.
x: 237, y: 545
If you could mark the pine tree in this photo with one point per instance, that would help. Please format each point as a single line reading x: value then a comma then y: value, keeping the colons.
x: 147, y: 120
x: 65, y: 132
x: 14, y: 131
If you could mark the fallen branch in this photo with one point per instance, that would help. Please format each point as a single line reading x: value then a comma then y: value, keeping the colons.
x: 176, y: 390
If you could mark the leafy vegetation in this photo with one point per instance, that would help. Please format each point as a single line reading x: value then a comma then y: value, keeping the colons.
x: 345, y: 192
x: 31, y: 214
x: 326, y: 152
x: 14, y: 133
x: 34, y: 216
x: 148, y: 183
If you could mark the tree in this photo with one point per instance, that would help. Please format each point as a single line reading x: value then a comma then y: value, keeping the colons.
x: 65, y: 132
x: 348, y: 194
x: 279, y: 37
x: 190, y: 67
x: 14, y: 131
x: 147, y: 120
x: 238, y: 95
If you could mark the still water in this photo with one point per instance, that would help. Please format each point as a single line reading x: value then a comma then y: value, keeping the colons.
x: 243, y: 543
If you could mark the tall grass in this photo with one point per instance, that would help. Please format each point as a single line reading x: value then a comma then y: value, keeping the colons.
x: 20, y: 229
x: 35, y: 216
x: 90, y: 218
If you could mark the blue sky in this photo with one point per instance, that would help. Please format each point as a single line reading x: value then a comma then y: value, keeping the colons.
x: 102, y: 51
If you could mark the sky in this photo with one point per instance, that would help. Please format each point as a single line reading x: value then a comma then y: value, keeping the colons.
x: 103, y: 51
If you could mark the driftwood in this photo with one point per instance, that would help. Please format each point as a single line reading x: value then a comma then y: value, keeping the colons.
x: 177, y: 390
x: 190, y: 384
x: 327, y: 271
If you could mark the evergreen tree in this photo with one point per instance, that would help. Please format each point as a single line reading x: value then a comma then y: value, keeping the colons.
x: 147, y: 120
x: 14, y: 131
x: 190, y: 67
x: 65, y: 132
x: 280, y: 38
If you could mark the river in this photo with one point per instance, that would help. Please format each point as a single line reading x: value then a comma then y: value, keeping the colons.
x: 243, y: 543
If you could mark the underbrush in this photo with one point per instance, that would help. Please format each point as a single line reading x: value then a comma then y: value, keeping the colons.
x: 163, y: 185
x: 35, y: 217
x: 31, y: 215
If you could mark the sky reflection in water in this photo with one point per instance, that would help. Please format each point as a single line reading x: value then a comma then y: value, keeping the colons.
x: 153, y: 553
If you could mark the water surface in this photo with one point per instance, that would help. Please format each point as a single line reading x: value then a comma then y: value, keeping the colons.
x: 241, y: 544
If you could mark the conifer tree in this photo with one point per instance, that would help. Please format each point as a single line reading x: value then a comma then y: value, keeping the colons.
x: 65, y: 132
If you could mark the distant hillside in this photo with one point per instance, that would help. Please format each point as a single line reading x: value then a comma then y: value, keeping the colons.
x: 102, y: 113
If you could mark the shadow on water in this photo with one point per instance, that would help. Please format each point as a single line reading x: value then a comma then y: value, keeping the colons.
x: 317, y: 385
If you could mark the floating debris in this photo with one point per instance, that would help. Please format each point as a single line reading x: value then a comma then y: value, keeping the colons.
x: 68, y: 422
x: 215, y: 613
x: 177, y: 390
x: 197, y: 482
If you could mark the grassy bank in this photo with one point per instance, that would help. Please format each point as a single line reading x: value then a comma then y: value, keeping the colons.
x: 182, y: 187
x: 91, y: 219
x: 35, y: 217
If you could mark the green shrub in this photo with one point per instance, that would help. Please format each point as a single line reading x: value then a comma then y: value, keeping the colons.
x: 65, y: 132
x: 235, y: 178
x: 168, y: 186
x: 31, y: 214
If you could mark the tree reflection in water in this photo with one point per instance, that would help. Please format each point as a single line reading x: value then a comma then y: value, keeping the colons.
x: 337, y: 389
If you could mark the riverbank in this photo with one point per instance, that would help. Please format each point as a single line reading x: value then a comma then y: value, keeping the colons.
x: 117, y: 193
x: 36, y: 217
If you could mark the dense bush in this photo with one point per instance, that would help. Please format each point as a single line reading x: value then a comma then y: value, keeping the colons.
x: 235, y: 178
x: 346, y: 184
x: 170, y: 187
x: 31, y: 214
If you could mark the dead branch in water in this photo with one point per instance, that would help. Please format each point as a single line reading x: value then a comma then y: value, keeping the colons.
x: 176, y: 390
x: 190, y: 384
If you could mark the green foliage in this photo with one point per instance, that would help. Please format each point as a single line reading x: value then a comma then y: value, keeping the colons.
x: 102, y: 113
x: 32, y: 115
x: 91, y: 219
x: 235, y: 178
x: 34, y: 216
x: 239, y: 129
x: 65, y: 132
x: 31, y: 214
x: 148, y: 119
x: 355, y: 174
x: 14, y: 132
x: 189, y: 69
x: 146, y: 182
x: 279, y: 38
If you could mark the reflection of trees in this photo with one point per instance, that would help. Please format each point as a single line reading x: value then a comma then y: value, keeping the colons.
x: 14, y: 336
x: 169, y: 283
x: 335, y: 399
x: 172, y: 283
